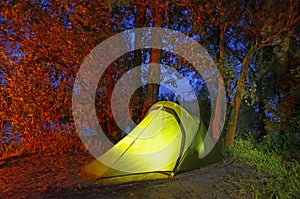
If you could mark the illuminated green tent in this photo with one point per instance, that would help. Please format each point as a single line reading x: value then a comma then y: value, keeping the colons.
x: 167, y: 141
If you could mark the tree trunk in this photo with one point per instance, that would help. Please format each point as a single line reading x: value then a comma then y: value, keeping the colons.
x: 262, y: 109
x: 221, y: 60
x: 260, y: 95
x: 152, y: 90
x: 240, y: 88
x: 138, y: 99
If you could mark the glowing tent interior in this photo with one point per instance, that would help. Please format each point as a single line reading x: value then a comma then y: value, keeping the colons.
x: 162, y: 143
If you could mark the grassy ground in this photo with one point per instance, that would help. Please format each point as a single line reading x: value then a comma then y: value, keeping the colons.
x: 275, y: 176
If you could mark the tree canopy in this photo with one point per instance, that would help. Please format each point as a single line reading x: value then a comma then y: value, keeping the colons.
x: 255, y: 46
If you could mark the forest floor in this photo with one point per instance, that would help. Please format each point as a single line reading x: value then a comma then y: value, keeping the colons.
x: 61, y: 176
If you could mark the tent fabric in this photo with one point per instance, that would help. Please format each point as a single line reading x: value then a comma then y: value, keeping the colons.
x: 168, y: 140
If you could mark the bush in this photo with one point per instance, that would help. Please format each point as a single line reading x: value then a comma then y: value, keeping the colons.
x: 62, y: 140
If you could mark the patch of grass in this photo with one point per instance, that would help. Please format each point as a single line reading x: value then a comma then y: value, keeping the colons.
x: 275, y: 177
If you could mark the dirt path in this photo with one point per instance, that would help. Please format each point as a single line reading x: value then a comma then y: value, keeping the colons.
x: 47, y: 176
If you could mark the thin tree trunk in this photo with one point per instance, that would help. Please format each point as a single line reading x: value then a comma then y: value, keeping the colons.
x: 136, y: 111
x: 261, y: 107
x: 152, y: 90
x: 221, y: 60
x: 240, y: 88
x: 260, y: 94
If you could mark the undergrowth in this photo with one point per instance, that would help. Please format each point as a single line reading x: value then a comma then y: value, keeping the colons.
x: 275, y: 176
x: 55, y: 144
